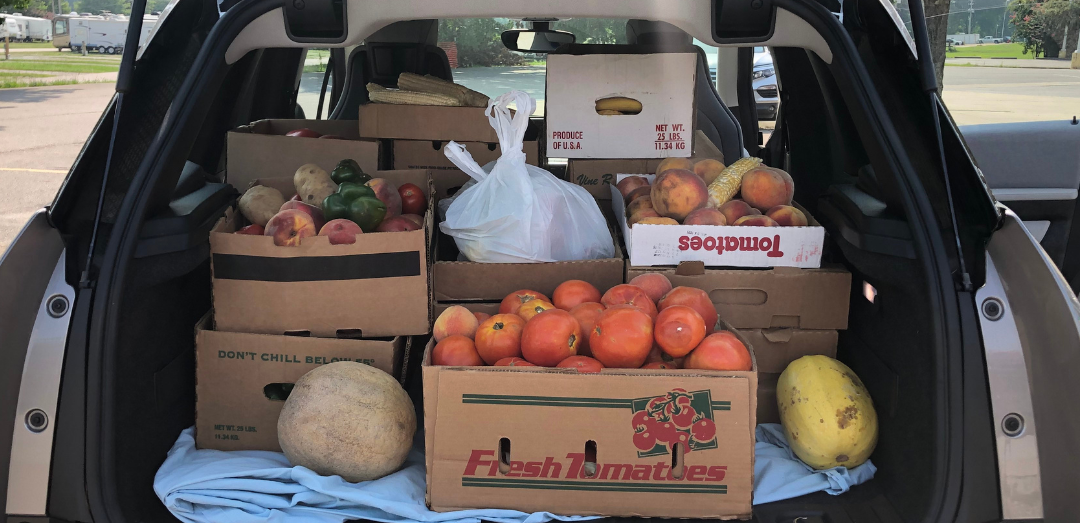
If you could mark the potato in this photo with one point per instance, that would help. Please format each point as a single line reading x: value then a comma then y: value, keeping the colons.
x: 260, y: 203
x: 313, y: 184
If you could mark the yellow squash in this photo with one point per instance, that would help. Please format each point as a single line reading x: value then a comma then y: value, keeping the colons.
x: 828, y: 417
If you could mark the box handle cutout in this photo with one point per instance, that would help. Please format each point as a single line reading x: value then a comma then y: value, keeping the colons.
x: 678, y: 460
x: 504, y: 455
x: 350, y: 334
x: 436, y: 145
x: 739, y: 296
x: 617, y: 106
x: 277, y: 391
x: 298, y: 334
x: 589, y: 469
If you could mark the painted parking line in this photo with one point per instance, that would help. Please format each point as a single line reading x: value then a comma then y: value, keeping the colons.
x: 47, y: 171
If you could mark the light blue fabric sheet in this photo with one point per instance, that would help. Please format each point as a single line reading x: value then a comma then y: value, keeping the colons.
x: 778, y: 473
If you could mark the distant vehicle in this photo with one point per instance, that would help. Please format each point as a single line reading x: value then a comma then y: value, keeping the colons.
x: 989, y: 40
x: 963, y: 38
x: 104, y: 34
x: 11, y: 29
x: 766, y: 94
x: 32, y: 28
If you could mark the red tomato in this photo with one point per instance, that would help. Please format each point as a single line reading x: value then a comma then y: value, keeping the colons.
x: 413, y: 200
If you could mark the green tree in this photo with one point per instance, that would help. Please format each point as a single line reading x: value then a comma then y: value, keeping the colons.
x: 595, y: 30
x: 479, y: 41
x: 99, y: 6
x: 1041, y: 25
x: 11, y: 6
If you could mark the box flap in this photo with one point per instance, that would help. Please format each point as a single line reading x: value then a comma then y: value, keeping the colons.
x: 425, y: 122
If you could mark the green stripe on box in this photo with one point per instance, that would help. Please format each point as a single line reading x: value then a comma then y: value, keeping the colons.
x: 596, y: 486
x: 546, y: 401
x: 721, y: 405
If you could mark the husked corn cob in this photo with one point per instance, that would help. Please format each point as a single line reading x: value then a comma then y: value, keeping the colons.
x: 619, y: 103
x: 724, y: 187
x: 430, y: 84
x: 380, y: 94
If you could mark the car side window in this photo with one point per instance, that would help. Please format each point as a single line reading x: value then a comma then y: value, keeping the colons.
x: 310, y: 85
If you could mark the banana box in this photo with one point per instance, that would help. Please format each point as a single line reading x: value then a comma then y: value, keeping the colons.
x: 620, y: 105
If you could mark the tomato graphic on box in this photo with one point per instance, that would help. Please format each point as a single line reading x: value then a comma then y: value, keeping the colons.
x: 677, y: 417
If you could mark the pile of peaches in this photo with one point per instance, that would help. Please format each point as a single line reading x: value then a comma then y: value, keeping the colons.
x: 680, y: 194
x: 644, y: 324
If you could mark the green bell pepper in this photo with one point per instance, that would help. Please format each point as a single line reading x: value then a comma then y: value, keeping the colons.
x: 349, y: 171
x: 355, y: 202
x: 367, y: 212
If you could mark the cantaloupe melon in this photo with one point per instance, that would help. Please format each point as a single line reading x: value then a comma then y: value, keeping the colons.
x: 347, y: 419
x: 828, y: 417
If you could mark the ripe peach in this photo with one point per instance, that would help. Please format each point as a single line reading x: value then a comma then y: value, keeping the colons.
x: 583, y: 364
x: 499, y: 337
x: 622, y: 337
x: 571, y: 293
x: 678, y: 330
x: 456, y: 350
x: 645, y: 202
x: 638, y: 193
x: 641, y: 215
x: 720, y: 351
x: 654, y: 284
x: 550, y: 338
x: 626, y: 294
x: 677, y: 192
x: 455, y: 320
x: 341, y: 231
x: 586, y: 315
x: 481, y: 316
x: 708, y: 169
x: 705, y: 216
x: 735, y: 209
x: 656, y: 365
x: 253, y: 230
x: 674, y: 163
x: 513, y: 362
x: 787, y: 216
x: 315, y: 212
x: 531, y: 308
x: 512, y: 302
x: 628, y: 184
x: 658, y: 221
x: 397, y: 224
x: 696, y: 299
x: 756, y: 220
x: 387, y: 193
x: 288, y: 227
x: 766, y: 187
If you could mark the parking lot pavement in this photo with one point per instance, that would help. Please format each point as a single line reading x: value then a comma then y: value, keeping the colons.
x: 977, y: 95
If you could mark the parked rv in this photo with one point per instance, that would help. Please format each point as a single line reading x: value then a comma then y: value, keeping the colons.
x: 104, y: 34
x: 31, y: 28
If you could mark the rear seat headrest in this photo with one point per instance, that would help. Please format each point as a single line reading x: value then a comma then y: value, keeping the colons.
x: 647, y: 32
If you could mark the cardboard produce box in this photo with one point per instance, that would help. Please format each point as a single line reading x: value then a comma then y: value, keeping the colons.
x: 378, y: 286
x: 719, y: 245
x: 597, y: 175
x: 425, y: 122
x: 242, y: 379
x: 662, y: 83
x: 768, y: 298
x: 537, y: 439
x: 428, y: 154
x: 775, y: 349
x: 261, y: 149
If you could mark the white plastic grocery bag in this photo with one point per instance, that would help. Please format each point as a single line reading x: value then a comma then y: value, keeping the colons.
x: 518, y: 212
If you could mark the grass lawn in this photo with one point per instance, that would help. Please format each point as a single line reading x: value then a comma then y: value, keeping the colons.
x: 1013, y: 50
x: 23, y: 82
x: 58, y: 67
x: 315, y: 68
x: 7, y: 75
x: 29, y: 45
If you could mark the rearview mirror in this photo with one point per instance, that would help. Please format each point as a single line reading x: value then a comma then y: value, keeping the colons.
x: 536, y: 40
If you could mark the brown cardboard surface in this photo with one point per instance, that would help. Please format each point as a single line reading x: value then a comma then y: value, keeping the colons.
x: 489, y: 307
x: 768, y: 298
x: 597, y: 175
x: 548, y: 415
x: 261, y: 149
x: 776, y: 348
x: 767, y: 410
x: 472, y: 281
x: 233, y: 369
x: 381, y: 289
x: 428, y: 154
x: 425, y: 122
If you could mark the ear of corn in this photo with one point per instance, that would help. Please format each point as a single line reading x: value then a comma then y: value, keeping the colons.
x: 380, y: 94
x: 430, y: 84
x: 725, y: 186
x: 619, y: 103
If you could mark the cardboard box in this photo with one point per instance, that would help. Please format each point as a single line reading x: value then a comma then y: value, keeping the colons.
x: 663, y: 83
x: 428, y: 154
x: 520, y: 437
x: 775, y: 349
x: 768, y: 298
x: 261, y: 149
x: 242, y: 379
x: 597, y: 175
x: 716, y: 245
x: 425, y: 122
x: 378, y: 286
x: 472, y: 281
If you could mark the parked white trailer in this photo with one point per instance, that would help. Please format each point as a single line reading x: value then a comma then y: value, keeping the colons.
x: 10, y: 29
x: 102, y: 34
x: 964, y: 38
x: 32, y: 28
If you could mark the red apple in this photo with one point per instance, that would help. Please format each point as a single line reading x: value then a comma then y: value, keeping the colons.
x: 295, y: 198
x: 341, y: 231
x: 288, y: 227
x: 413, y: 200
x: 252, y: 229
x: 313, y: 211
x: 397, y: 224
x: 303, y: 133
